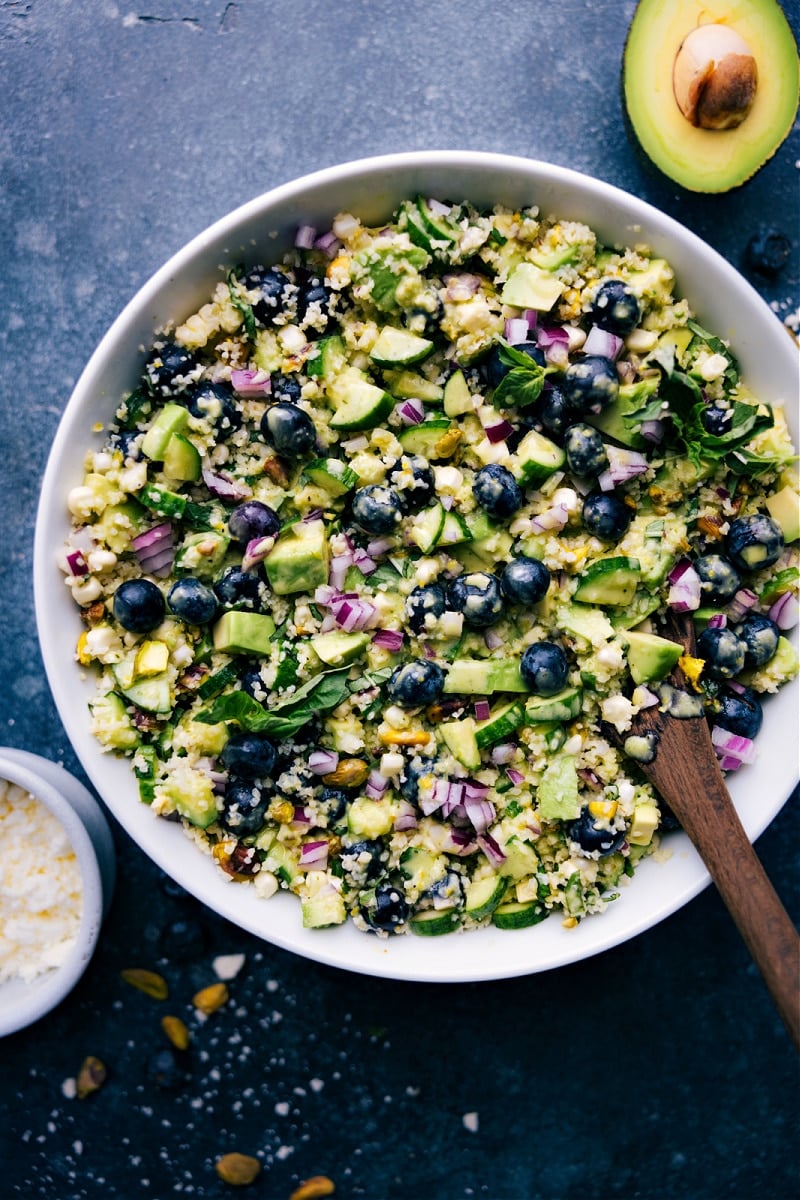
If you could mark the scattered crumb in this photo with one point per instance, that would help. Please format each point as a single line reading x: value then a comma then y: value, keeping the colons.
x: 228, y: 966
x: 470, y: 1121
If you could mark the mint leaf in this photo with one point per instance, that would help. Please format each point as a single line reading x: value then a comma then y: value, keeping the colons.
x: 319, y: 694
x: 523, y: 384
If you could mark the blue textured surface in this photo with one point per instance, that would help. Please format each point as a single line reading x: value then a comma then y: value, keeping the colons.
x: 659, y: 1070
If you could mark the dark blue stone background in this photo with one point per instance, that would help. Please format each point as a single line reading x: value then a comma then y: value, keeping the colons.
x: 658, y: 1070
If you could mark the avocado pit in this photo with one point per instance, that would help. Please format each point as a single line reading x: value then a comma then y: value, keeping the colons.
x: 714, y: 77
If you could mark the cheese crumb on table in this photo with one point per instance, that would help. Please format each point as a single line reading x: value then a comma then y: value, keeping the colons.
x: 41, y: 893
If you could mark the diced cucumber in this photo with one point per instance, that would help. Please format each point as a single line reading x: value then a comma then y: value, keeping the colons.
x: 423, y: 438
x: 408, y: 385
x: 181, y: 460
x: 283, y: 862
x: 506, y: 676
x: 563, y: 706
x: 519, y: 914
x: 172, y: 419
x: 332, y: 475
x: 422, y: 868
x: 426, y: 527
x: 324, y: 909
x: 482, y: 896
x: 438, y: 227
x: 144, y: 768
x: 359, y: 403
x: 163, y: 501
x: 457, y: 397
x: 432, y: 922
x: 111, y: 722
x: 454, y: 530
x: 609, y: 582
x: 573, y: 895
x: 460, y: 739
x: 500, y: 724
x: 640, y: 608
x: 331, y: 358
x: 482, y: 676
x: 398, y: 348
x: 151, y: 694
x: 212, y: 685
x: 536, y: 459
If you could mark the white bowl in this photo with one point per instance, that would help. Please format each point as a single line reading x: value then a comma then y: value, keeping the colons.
x: 262, y: 229
x: 86, y: 827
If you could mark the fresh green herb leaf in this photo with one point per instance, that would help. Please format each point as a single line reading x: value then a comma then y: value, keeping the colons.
x: 287, y: 672
x: 523, y: 384
x: 784, y: 581
x: 385, y: 575
x: 242, y: 306
x: 717, y: 346
x: 320, y: 694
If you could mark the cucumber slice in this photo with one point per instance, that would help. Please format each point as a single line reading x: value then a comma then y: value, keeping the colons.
x: 398, y: 348
x: 564, y: 706
x: 437, y: 227
x: 457, y: 397
x: 609, y: 581
x: 460, y: 739
x: 426, y: 527
x: 172, y: 419
x: 423, y: 438
x: 434, y: 921
x: 332, y: 475
x: 519, y: 914
x: 483, y: 896
x: 454, y: 530
x: 330, y: 359
x: 422, y: 868
x: 408, y: 385
x: 359, y: 405
x: 181, y: 459
x: 536, y: 459
x: 163, y: 501
x: 500, y: 724
x: 151, y: 694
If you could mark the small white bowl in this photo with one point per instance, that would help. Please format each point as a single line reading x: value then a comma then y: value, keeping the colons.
x: 79, y: 813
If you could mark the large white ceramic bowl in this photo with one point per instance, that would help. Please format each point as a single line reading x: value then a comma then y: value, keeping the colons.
x: 260, y: 230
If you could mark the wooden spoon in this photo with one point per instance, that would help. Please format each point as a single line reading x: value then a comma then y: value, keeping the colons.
x: 685, y: 772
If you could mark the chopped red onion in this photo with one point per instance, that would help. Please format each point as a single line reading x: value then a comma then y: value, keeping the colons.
x: 492, y: 639
x: 410, y: 412
x: 645, y: 698
x: 552, y: 518
x: 77, y: 563
x: 354, y: 615
x: 531, y: 315
x: 376, y: 785
x: 406, y: 817
x: 324, y: 594
x: 356, y: 444
x: 301, y: 815
x: 741, y: 604
x: 362, y: 560
x: 503, y: 753
x: 718, y: 621
x: 380, y: 546
x: 622, y: 466
x: 739, y: 688
x: 328, y: 623
x: 305, y: 237
x: 428, y: 650
x: 321, y: 762
x: 652, y: 431
x: 389, y: 639
x: 685, y: 590
x: 447, y: 504
x: 224, y: 487
x: 476, y: 791
x: 328, y: 243
x: 462, y: 287
x: 732, y: 750
x: 515, y: 776
x: 498, y: 430
x: 459, y: 842
x: 481, y: 814
x: 491, y: 849
x: 482, y: 710
x: 314, y: 856
x: 438, y: 208
x: 554, y: 341
x: 602, y: 342
x: 339, y: 567
x: 785, y: 611
x: 589, y: 778
x: 256, y: 551
x: 152, y: 539
x: 516, y: 330
x: 251, y: 383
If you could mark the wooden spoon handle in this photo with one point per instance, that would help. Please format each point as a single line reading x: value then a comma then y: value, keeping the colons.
x: 713, y: 825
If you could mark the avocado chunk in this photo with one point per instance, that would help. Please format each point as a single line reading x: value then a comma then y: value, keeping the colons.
x: 244, y: 633
x: 784, y: 507
x: 651, y: 657
x: 557, y: 796
x: 338, y: 649
x: 710, y: 101
x: 299, y: 560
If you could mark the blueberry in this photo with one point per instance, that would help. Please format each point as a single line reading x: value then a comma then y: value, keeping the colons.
x: 386, y: 908
x: 759, y: 635
x: 497, y: 491
x: 418, y: 775
x: 478, y: 597
x: 313, y: 307
x: 424, y: 601
x: 425, y: 316
x: 271, y: 293
x: 722, y: 651
x: 286, y: 387
x: 167, y: 367
x: 719, y: 580
x: 740, y: 712
x: 716, y: 420
x: 252, y: 682
x: 244, y: 807
x: 333, y: 802
x: 249, y: 755
x: 363, y: 860
x: 606, y: 516
x: 417, y: 491
x: 376, y: 509
x: 544, y: 668
x: 289, y: 428
x: 414, y: 684
x: 129, y: 443
x: 591, y: 837
x: 585, y: 450
x: 251, y: 520
x: 754, y: 542
x: 524, y: 581
x: 216, y: 402
x: 138, y: 605
x: 615, y: 307
x: 166, y: 1071
x: 591, y: 383
x: 768, y: 251
x: 555, y: 410
x: 236, y: 588
x: 495, y: 370
x: 192, y: 601
x: 446, y: 892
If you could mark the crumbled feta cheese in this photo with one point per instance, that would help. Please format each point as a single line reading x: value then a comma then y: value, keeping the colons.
x: 618, y: 711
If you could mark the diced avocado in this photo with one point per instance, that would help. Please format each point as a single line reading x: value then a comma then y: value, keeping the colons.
x: 370, y: 818
x: 358, y: 403
x: 501, y: 723
x: 675, y: 480
x: 650, y: 657
x: 325, y: 908
x: 299, y: 560
x: 519, y: 914
x: 424, y: 438
x: 655, y: 281
x: 459, y: 737
x: 181, y: 459
x: 529, y: 286
x: 557, y: 795
x: 111, y: 722
x: 457, y: 396
x: 563, y: 706
x: 332, y: 475
x: 784, y: 507
x: 201, y: 738
x: 536, y: 459
x: 408, y: 385
x: 584, y: 622
x: 202, y: 554
x: 643, y: 825
x: 432, y: 922
x: 629, y: 398
x: 338, y: 649
x: 397, y: 347
x: 244, y: 633
x: 609, y: 582
x: 119, y: 523
x: 152, y: 658
x: 173, y: 418
x: 482, y: 896
x: 421, y: 868
x: 192, y: 793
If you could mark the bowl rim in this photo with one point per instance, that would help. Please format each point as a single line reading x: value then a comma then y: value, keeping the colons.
x: 536, y: 175
x: 46, y: 991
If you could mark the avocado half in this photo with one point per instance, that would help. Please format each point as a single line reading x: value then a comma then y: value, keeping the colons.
x: 711, y: 87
